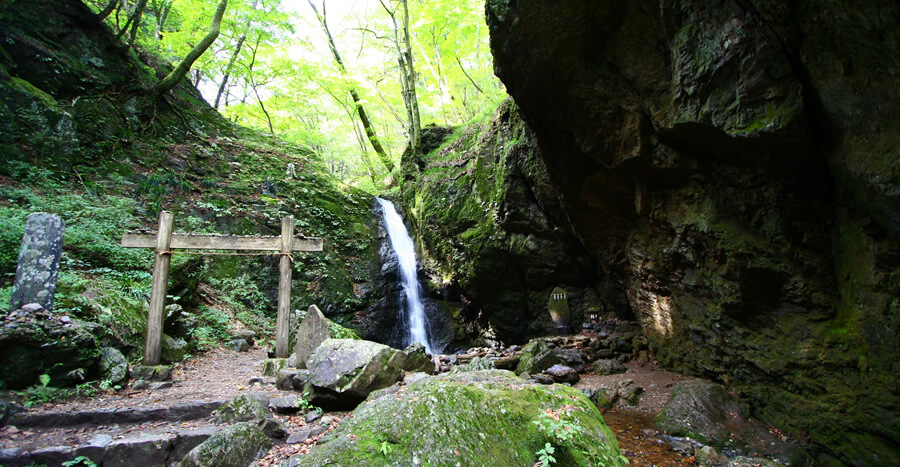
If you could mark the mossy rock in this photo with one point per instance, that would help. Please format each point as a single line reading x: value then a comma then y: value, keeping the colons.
x: 240, y: 444
x: 472, y: 418
x: 253, y: 406
x: 536, y: 357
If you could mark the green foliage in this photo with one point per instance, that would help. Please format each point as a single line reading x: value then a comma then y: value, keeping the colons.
x: 39, y: 393
x: 211, y: 329
x: 386, y: 448
x: 305, y: 405
x: 80, y: 461
x: 545, y: 455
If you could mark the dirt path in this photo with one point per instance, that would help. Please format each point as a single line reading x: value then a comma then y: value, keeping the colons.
x: 223, y: 374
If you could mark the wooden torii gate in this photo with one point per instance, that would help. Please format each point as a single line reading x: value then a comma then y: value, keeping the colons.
x: 164, y: 241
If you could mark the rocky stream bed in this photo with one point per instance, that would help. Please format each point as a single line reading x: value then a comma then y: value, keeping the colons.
x: 166, y: 424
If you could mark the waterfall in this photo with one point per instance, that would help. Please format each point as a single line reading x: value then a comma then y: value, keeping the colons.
x: 406, y: 256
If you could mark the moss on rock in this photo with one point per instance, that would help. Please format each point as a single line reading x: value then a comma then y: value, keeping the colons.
x: 471, y: 418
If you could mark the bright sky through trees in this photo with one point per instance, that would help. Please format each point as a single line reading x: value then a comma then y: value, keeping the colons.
x: 271, y: 69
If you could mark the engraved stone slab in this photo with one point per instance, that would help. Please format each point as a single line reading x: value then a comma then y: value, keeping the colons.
x: 38, y: 261
x: 310, y: 334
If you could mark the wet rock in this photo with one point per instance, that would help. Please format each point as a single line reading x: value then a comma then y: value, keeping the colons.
x: 608, y: 367
x: 311, y: 332
x: 240, y: 444
x: 563, y: 374
x: 706, y: 412
x: 344, y: 371
x: 253, y: 406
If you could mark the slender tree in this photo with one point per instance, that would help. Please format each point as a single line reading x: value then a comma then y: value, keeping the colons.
x: 184, y: 66
x: 407, y: 73
x: 360, y: 109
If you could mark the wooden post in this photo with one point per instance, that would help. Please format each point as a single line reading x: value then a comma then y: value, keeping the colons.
x: 153, y: 345
x: 286, y: 267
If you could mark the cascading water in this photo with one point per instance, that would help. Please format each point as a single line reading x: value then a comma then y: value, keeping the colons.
x: 406, y: 256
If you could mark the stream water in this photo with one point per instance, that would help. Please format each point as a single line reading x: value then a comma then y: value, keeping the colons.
x: 406, y: 256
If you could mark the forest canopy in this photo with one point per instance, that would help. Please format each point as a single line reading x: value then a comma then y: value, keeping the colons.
x: 307, y: 71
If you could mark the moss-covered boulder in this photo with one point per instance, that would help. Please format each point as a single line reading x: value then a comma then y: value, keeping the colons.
x: 536, y: 357
x: 240, y: 444
x: 344, y: 371
x: 253, y: 406
x: 474, y: 418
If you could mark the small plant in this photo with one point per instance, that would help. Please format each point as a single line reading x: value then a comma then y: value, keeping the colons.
x: 545, y: 455
x: 79, y: 461
x: 386, y: 448
x: 563, y: 430
x: 306, y: 405
x: 39, y: 394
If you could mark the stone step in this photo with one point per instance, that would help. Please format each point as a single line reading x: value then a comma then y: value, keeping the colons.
x: 190, y: 410
x: 103, y: 450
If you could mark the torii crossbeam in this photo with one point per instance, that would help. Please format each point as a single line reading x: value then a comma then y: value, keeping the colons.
x: 164, y: 241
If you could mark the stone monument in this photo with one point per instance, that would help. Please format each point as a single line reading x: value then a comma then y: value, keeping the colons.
x: 310, y: 334
x: 38, y: 261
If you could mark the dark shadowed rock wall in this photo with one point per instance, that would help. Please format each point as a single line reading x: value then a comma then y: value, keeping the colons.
x: 733, y: 167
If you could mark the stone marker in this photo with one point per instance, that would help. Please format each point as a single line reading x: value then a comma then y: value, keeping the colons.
x: 310, y: 334
x: 559, y: 310
x: 38, y: 261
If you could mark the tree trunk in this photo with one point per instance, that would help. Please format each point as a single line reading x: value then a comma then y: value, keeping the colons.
x: 253, y: 85
x: 173, y: 78
x: 101, y: 15
x: 407, y: 77
x: 360, y: 109
x: 224, y: 83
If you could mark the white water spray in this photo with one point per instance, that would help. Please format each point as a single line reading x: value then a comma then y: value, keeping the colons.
x: 406, y: 255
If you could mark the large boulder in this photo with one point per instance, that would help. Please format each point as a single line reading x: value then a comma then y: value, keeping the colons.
x: 240, y: 444
x: 113, y: 365
x: 36, y: 343
x: 344, y: 371
x: 471, y: 418
x: 705, y: 411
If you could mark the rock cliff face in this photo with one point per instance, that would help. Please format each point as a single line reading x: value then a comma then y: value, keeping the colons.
x: 488, y: 219
x: 733, y: 167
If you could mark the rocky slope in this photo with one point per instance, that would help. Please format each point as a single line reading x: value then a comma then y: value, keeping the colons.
x: 82, y: 136
x: 733, y: 170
